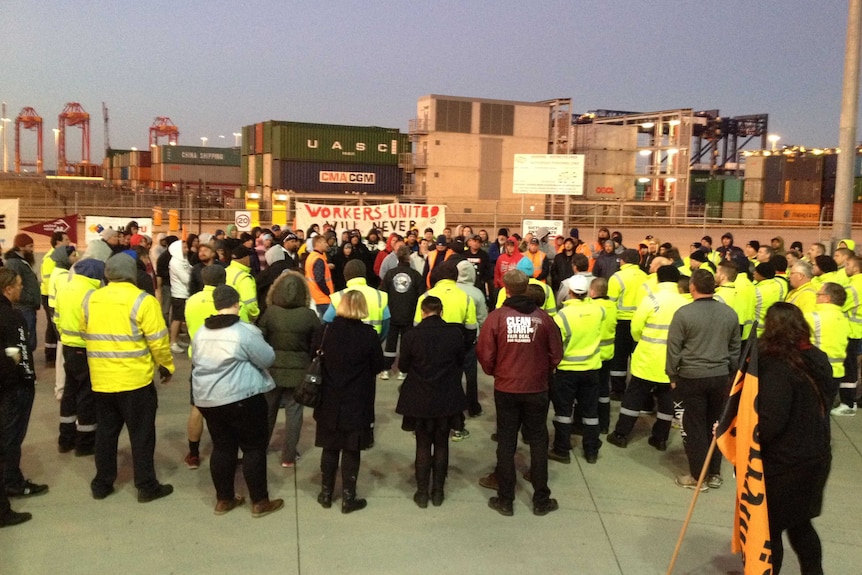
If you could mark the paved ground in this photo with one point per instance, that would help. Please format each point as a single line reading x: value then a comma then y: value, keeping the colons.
x: 620, y: 516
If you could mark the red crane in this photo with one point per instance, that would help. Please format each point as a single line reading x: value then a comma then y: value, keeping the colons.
x: 163, y: 126
x: 30, y: 120
x: 73, y: 115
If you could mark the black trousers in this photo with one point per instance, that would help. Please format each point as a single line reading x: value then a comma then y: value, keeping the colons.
x: 136, y: 410
x: 51, y: 335
x: 637, y: 393
x: 514, y: 412
x: 390, y: 349
x: 349, y: 470
x: 471, y: 377
x: 78, y: 405
x: 624, y: 345
x: 700, y: 403
x: 432, y: 452
x: 568, y: 386
x: 847, y: 387
x: 239, y: 425
x: 16, y: 403
x: 805, y: 542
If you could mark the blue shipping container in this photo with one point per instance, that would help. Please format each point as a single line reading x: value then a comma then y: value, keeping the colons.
x: 314, y: 177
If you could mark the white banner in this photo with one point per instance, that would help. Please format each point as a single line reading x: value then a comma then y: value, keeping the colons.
x: 549, y: 174
x: 388, y: 218
x: 93, y: 225
x: 555, y: 227
x: 8, y: 223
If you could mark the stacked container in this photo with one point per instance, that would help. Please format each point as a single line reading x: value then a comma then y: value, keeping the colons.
x: 731, y: 208
x: 610, y: 156
x: 322, y: 158
x: 216, y: 167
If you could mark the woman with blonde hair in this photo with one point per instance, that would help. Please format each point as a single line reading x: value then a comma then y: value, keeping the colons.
x: 352, y: 358
x: 288, y: 325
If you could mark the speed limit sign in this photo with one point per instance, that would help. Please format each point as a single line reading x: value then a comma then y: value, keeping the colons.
x: 242, y: 219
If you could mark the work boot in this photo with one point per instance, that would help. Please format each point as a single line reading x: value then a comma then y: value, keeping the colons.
x: 350, y: 503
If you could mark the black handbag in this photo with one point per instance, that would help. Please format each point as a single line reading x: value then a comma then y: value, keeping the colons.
x: 307, y: 393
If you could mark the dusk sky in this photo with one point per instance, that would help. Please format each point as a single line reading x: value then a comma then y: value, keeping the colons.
x: 215, y: 66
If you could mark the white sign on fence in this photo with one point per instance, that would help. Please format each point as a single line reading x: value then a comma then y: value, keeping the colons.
x: 8, y: 223
x: 242, y: 220
x: 555, y: 227
x: 561, y: 174
x: 93, y: 225
x: 388, y: 218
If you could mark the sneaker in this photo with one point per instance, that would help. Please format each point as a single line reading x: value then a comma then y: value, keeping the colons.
x: 489, y: 481
x: 85, y: 451
x: 287, y: 464
x: 101, y: 494
x: 175, y: 348
x: 402, y: 376
x: 559, y: 457
x: 163, y: 490
x: 689, y: 482
x: 223, y: 507
x: 27, y: 489
x: 617, y: 439
x: 502, y: 507
x: 659, y: 444
x: 844, y: 409
x: 384, y: 375
x: 715, y: 481
x: 460, y: 435
x: 541, y: 509
x: 11, y: 518
x: 192, y: 461
x: 266, y: 507
x: 476, y: 413
x: 591, y: 456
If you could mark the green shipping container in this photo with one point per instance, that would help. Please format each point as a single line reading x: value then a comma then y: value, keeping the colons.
x: 267, y: 137
x: 201, y: 156
x: 258, y: 169
x: 296, y: 141
x: 857, y: 190
x: 244, y: 170
x: 733, y: 190
x: 247, y: 140
x: 715, y: 192
x: 713, y: 210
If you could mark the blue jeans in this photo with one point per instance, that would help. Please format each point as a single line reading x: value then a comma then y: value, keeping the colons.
x: 15, y: 406
x: 530, y: 412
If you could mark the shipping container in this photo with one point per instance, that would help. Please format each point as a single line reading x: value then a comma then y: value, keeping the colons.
x: 258, y: 169
x: 697, y: 187
x: 857, y: 170
x: 751, y: 212
x: 803, y: 168
x: 277, y: 176
x: 608, y: 187
x: 732, y: 190
x: 713, y: 210
x: 714, y: 191
x: 731, y: 213
x: 174, y: 173
x: 258, y: 138
x: 266, y: 177
x: 124, y: 173
x: 830, y: 166
x: 244, y: 170
x: 199, y: 155
x: 754, y: 167
x: 604, y: 137
x: 252, y: 170
x: 791, y: 213
x: 297, y: 141
x: 313, y: 177
x: 753, y: 190
x: 247, y: 140
x: 267, y: 137
x: 773, y: 179
x: 802, y: 191
x: 610, y: 162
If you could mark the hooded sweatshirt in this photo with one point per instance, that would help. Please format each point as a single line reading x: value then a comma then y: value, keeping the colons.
x: 467, y: 282
x: 180, y: 271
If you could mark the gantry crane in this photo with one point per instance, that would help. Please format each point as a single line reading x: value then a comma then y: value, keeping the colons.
x: 73, y: 115
x: 163, y: 126
x: 30, y: 120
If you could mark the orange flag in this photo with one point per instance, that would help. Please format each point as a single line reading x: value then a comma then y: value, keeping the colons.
x: 737, y: 439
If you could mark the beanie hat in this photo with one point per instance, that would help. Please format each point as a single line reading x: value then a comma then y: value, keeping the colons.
x: 22, y: 240
x: 727, y: 235
x: 668, y: 274
x: 135, y: 240
x: 698, y: 256
x: 755, y: 245
x: 503, y: 232
x: 766, y: 270
x: 354, y: 269
x: 108, y: 233
x: 121, y: 268
x: 240, y: 252
x: 573, y: 233
x: 224, y: 296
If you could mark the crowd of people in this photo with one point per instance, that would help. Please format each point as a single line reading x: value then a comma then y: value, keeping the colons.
x: 557, y: 321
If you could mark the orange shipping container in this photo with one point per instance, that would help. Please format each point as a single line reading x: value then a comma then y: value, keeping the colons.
x: 788, y: 213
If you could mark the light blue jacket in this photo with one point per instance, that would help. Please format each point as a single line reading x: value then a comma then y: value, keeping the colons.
x: 229, y: 362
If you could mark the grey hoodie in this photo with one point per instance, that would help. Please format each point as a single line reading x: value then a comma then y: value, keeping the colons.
x: 466, y: 281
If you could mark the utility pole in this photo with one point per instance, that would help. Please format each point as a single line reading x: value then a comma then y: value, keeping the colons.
x: 843, y: 212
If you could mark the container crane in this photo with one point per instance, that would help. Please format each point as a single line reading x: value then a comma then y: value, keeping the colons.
x: 163, y: 126
x: 73, y: 115
x: 30, y: 120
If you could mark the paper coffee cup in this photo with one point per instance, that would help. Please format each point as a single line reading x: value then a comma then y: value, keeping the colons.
x: 12, y: 351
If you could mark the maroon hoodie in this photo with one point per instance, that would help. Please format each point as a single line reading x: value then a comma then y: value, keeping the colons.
x: 519, y: 344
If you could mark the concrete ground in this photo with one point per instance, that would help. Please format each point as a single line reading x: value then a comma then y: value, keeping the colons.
x: 620, y: 516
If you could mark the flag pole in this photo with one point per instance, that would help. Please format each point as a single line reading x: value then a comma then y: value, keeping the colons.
x: 685, y: 523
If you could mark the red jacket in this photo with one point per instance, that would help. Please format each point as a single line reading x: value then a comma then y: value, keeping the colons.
x: 519, y: 344
x: 505, y: 263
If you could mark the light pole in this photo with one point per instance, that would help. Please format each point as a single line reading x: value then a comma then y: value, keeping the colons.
x: 222, y: 138
x: 5, y: 129
x: 204, y: 141
x: 773, y: 139
x: 236, y: 137
x: 57, y: 145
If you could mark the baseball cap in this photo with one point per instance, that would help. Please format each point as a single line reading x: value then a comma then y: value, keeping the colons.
x: 578, y: 284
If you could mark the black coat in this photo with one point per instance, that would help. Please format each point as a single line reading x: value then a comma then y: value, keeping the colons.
x: 432, y: 355
x: 13, y: 333
x: 352, y: 358
x: 404, y: 285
